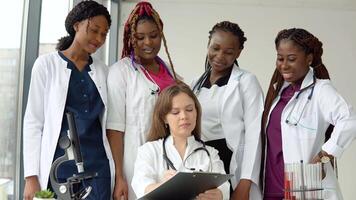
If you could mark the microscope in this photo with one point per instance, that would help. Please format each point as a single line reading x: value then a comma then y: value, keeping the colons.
x: 71, y: 146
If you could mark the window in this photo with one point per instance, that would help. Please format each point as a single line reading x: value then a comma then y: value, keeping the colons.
x: 52, y: 28
x: 15, y: 69
x: 11, y: 21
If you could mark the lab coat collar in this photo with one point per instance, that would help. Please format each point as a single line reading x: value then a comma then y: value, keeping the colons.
x: 234, y: 80
x: 308, y: 79
x: 157, y: 58
x: 190, y: 141
x: 235, y: 73
x: 70, y: 64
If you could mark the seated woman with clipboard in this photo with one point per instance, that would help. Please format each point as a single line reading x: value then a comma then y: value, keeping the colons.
x: 175, y: 146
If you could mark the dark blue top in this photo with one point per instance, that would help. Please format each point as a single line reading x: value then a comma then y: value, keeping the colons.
x: 83, y: 100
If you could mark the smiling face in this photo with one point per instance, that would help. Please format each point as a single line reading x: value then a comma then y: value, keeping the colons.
x: 182, y: 117
x: 292, y: 62
x: 223, y: 50
x: 91, y: 33
x: 148, y: 40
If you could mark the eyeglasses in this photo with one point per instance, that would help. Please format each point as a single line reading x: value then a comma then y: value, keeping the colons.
x: 170, y: 163
x: 295, y: 120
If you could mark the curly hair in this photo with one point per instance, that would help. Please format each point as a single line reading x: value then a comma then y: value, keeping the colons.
x: 82, y: 11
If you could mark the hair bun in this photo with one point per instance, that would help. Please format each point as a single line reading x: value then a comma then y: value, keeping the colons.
x: 144, y: 7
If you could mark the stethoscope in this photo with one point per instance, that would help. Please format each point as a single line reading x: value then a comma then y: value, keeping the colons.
x: 311, y: 87
x: 169, y: 163
x: 156, y: 88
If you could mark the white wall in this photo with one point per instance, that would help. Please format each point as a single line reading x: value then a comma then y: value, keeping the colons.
x: 187, y: 23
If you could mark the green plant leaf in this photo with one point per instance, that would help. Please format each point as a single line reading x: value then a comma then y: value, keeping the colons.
x: 46, y: 194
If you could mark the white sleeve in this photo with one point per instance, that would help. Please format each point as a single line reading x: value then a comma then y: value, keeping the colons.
x: 338, y: 112
x: 116, y: 83
x: 218, y: 167
x: 144, y: 171
x: 34, y: 120
x: 252, y: 107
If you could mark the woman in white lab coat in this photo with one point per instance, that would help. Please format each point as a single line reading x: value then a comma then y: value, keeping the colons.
x: 175, y: 145
x: 232, y: 106
x: 70, y: 80
x: 301, y: 104
x: 134, y: 83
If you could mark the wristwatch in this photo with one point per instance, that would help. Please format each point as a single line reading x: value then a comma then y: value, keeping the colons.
x: 324, y: 158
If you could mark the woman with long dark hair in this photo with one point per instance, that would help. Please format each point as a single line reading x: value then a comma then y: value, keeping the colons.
x: 300, y: 109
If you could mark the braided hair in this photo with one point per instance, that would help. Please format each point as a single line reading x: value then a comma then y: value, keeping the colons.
x: 225, y: 26
x: 310, y: 45
x: 142, y: 11
x: 82, y: 11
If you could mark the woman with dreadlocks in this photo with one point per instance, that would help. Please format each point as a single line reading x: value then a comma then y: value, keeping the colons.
x: 70, y: 80
x: 232, y: 105
x: 301, y: 104
x: 134, y: 84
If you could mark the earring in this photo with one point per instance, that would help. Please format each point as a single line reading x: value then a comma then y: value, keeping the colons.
x: 166, y: 126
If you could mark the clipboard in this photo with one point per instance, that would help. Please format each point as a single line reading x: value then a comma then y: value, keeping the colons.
x: 187, y: 185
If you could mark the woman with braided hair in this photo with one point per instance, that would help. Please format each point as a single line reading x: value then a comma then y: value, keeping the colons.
x: 232, y: 106
x: 70, y: 80
x: 134, y: 83
x: 301, y: 104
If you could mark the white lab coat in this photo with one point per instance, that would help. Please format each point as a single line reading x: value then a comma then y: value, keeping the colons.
x: 306, y: 139
x: 241, y: 109
x: 150, y: 165
x: 131, y: 98
x: 44, y: 113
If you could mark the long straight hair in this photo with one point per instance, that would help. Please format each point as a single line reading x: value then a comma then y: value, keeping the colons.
x: 163, y: 106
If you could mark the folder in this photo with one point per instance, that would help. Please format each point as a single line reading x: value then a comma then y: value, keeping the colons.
x: 187, y: 185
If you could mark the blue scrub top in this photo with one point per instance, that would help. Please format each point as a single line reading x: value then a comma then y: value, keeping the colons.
x: 84, y: 101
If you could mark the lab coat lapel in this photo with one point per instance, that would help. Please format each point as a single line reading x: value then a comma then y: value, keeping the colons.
x: 232, y: 84
x: 98, y: 81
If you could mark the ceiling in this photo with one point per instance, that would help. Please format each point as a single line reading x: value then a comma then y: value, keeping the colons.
x: 322, y: 4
